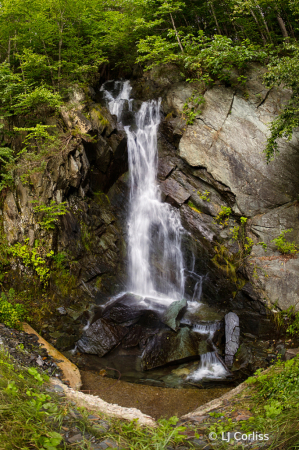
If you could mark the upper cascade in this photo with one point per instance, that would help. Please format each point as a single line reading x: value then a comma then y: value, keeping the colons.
x: 156, y: 263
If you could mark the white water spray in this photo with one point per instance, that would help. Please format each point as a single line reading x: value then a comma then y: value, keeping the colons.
x: 209, y: 367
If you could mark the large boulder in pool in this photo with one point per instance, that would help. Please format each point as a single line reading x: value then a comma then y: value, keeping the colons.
x: 166, y: 346
x: 101, y: 337
x: 126, y: 309
x: 131, y: 308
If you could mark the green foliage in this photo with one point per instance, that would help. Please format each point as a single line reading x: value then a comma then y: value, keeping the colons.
x: 279, y: 383
x: 283, y: 246
x: 287, y: 320
x: 203, y: 59
x: 40, y: 378
x: 25, y: 420
x: 284, y: 70
x: 223, y: 216
x: 86, y: 236
x: 50, y: 214
x: 36, y: 136
x: 245, y: 243
x: 7, y: 159
x: 11, y: 314
x: 35, y: 258
x: 166, y: 434
x: 191, y: 108
x: 227, y: 262
x: 204, y: 196
x: 192, y: 206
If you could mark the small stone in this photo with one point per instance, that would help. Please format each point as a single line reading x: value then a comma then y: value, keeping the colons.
x: 75, y: 414
x: 104, y: 424
x: 99, y: 428
x: 58, y: 388
x: 75, y: 438
x: 198, y: 443
x: 108, y: 443
x: 61, y: 310
x: 39, y: 361
x: 242, y: 417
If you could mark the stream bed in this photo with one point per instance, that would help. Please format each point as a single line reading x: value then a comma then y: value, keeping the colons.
x: 155, y: 401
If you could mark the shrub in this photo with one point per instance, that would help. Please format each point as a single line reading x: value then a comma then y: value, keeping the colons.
x: 284, y: 246
x: 11, y: 315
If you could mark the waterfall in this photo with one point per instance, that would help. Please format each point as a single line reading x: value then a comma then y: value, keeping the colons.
x: 156, y: 267
x: 156, y: 264
x: 209, y: 367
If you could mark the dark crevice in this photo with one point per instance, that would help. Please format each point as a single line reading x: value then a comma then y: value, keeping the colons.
x: 264, y: 99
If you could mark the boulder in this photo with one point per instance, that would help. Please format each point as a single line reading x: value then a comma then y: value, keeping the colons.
x: 232, y: 337
x: 101, y: 337
x: 167, y: 346
x: 174, y: 192
x: 173, y: 314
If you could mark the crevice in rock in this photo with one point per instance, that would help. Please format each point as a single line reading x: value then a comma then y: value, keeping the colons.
x: 265, y: 98
x: 229, y: 110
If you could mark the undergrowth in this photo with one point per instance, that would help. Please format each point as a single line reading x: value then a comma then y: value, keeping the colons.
x: 273, y: 400
x: 11, y: 314
x: 25, y: 409
x: 32, y: 417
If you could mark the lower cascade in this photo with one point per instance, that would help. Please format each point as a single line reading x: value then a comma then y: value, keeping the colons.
x: 155, y: 323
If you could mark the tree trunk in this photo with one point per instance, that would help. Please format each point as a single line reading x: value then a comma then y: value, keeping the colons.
x: 177, y: 34
x: 258, y: 25
x: 215, y: 18
x: 282, y: 26
x: 290, y: 25
x: 197, y: 21
x: 263, y: 19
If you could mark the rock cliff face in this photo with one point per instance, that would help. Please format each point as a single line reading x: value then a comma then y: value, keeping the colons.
x: 222, y: 153
x: 92, y: 155
x: 216, y: 162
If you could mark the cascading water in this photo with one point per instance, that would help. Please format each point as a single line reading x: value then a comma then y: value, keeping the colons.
x: 155, y: 258
x: 156, y: 265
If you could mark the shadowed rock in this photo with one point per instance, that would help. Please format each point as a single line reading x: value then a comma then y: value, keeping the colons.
x: 101, y: 337
x: 168, y: 346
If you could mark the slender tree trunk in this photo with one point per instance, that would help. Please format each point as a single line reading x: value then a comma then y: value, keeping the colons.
x: 263, y: 19
x: 258, y: 25
x: 215, y: 18
x: 177, y: 34
x: 236, y: 31
x: 197, y: 21
x: 282, y: 26
x: 187, y: 24
x: 225, y: 29
x: 290, y: 25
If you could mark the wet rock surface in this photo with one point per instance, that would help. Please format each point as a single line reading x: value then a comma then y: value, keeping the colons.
x: 156, y: 334
x: 167, y: 346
